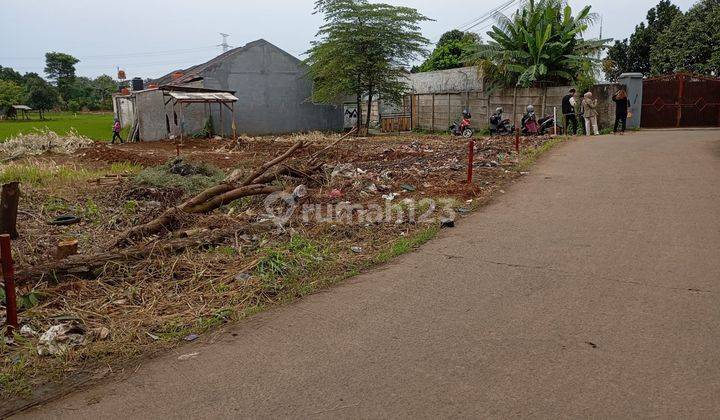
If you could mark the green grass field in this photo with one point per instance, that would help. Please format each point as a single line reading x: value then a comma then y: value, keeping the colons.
x: 96, y: 125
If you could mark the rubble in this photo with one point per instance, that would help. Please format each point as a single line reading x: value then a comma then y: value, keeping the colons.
x: 42, y: 141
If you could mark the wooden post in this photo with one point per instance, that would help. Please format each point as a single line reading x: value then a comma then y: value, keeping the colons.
x: 222, y: 127
x: 9, y: 199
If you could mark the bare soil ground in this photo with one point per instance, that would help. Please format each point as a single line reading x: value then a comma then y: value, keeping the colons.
x: 155, y: 303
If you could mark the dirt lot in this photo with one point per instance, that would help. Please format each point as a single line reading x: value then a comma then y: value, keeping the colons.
x: 375, y: 198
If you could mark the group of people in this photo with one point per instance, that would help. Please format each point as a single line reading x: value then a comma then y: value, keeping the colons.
x: 588, y: 111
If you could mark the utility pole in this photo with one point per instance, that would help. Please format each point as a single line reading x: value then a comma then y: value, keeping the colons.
x: 224, y: 44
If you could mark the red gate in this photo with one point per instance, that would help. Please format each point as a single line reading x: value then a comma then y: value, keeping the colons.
x: 681, y: 100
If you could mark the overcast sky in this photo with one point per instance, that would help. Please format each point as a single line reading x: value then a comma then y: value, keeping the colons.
x: 149, y: 38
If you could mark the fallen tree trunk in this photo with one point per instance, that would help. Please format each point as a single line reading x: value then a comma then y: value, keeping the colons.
x: 214, y: 197
x: 90, y: 265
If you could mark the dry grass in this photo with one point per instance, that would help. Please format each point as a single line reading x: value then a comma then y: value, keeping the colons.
x: 150, y: 305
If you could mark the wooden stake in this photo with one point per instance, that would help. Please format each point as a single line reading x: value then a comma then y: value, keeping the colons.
x: 9, y: 199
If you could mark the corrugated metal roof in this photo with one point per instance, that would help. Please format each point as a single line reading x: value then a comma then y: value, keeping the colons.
x: 25, y: 107
x: 202, y: 96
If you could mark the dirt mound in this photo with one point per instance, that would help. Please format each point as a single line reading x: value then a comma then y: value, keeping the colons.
x: 102, y: 152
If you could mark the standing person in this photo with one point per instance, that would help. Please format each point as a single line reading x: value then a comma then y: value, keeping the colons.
x: 589, y: 110
x: 568, y: 110
x: 621, y: 110
x: 116, y: 132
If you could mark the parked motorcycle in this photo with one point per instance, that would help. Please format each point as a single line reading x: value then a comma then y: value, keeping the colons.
x: 500, y: 126
x: 531, y: 125
x: 463, y: 128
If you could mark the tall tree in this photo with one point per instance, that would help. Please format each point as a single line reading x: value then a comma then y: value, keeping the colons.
x: 451, y: 51
x: 60, y: 68
x: 9, y: 74
x: 40, y: 95
x: 541, y: 42
x: 10, y: 94
x: 362, y: 50
x: 633, y: 55
x: 691, y: 42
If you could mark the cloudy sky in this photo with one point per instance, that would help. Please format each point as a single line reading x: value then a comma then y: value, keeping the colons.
x: 149, y: 38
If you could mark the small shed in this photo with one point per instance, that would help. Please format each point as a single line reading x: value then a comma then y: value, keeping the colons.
x: 21, y: 109
x: 173, y: 111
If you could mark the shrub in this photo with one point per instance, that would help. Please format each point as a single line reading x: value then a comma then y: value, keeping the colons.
x: 202, y: 177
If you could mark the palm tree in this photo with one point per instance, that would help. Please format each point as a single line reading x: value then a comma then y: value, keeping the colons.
x: 541, y: 42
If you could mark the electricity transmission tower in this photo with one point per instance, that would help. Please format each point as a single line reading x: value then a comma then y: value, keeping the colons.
x: 224, y: 44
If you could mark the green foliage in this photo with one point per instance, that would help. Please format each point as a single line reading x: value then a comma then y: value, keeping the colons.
x: 60, y: 68
x: 40, y: 95
x: 542, y: 42
x: 284, y: 268
x: 96, y: 126
x: 361, y: 50
x: 207, y: 131
x: 160, y: 176
x: 690, y: 43
x: 10, y: 75
x: 452, y: 51
x: 10, y: 94
x: 634, y: 55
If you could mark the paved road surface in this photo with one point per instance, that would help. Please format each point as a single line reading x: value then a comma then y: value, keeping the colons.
x: 592, y: 288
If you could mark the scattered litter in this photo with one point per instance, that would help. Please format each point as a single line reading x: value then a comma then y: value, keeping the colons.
x: 58, y: 339
x: 153, y: 336
x: 335, y: 193
x: 447, y: 222
x: 524, y: 173
x: 345, y: 170
x: 188, y: 356
x: 357, y: 249
x: 191, y: 337
x: 300, y: 191
x: 389, y: 197
x: 27, y: 331
x: 41, y: 141
x: 65, y: 220
x: 243, y: 276
x: 100, y: 333
x: 463, y: 210
x: 408, y: 187
x: 372, y: 188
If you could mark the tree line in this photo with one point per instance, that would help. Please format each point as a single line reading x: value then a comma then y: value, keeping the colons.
x: 670, y: 41
x: 64, y: 90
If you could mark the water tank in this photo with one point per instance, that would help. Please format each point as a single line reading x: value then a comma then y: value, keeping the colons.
x: 137, y: 83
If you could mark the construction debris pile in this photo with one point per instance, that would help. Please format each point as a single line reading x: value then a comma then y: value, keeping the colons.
x: 40, y: 141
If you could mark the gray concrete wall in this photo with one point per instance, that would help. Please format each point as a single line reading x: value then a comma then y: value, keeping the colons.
x: 464, y: 79
x: 151, y: 114
x: 436, y: 111
x: 272, y: 93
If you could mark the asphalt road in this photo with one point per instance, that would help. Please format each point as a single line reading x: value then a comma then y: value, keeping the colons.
x: 590, y: 289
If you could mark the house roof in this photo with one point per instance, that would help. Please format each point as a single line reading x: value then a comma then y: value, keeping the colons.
x: 194, y: 73
x: 181, y: 96
x: 23, y: 107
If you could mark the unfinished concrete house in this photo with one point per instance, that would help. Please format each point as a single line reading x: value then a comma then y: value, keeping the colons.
x: 255, y: 89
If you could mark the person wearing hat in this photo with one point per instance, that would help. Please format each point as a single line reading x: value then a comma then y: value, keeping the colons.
x: 568, y: 110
